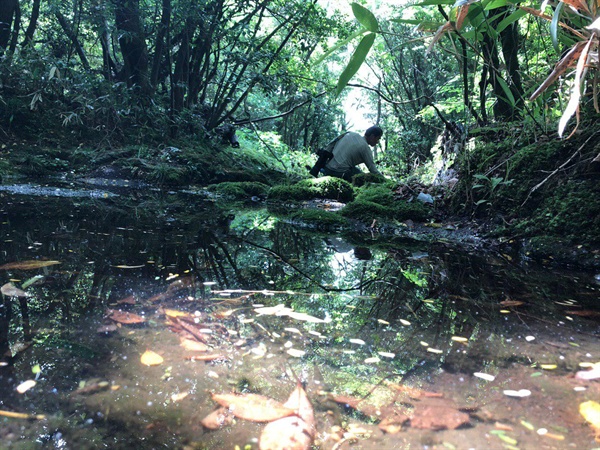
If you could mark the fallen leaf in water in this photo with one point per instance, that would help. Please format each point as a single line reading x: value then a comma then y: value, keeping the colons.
x: 484, y: 376
x: 592, y: 374
x: 253, y: 407
x: 124, y: 317
x: 179, y: 397
x: 91, y: 388
x: 412, y: 392
x: 357, y: 341
x: 590, y: 411
x: 10, y: 290
x: 127, y: 301
x: 548, y: 366
x: 217, y: 419
x: 519, y: 393
x: 193, y: 346
x: 406, y: 323
x: 393, y: 422
x: 125, y: 266
x: 585, y: 313
x: 25, y: 386
x: 293, y: 432
x: 438, y: 415
x: 296, y: 353
x: 16, y: 415
x: 511, y: 303
x: 28, y: 265
x: 215, y: 357
x: 150, y: 358
x: 105, y: 329
x: 174, y: 313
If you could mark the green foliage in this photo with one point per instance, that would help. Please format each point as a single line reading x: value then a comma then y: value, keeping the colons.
x: 324, y: 187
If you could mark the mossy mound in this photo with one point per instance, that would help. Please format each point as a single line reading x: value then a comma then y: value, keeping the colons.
x: 240, y: 190
x: 363, y: 179
x: 378, y: 202
x: 325, y: 188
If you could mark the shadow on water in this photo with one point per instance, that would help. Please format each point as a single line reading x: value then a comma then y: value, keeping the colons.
x: 456, y: 349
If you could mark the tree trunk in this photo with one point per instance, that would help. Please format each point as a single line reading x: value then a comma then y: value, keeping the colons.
x: 510, y: 47
x: 132, y: 43
x: 35, y: 13
x: 163, y: 28
x: 8, y: 10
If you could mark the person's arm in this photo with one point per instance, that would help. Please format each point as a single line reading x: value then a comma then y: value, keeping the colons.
x: 368, y: 160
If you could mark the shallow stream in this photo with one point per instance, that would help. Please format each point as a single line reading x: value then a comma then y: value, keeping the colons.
x: 127, y: 310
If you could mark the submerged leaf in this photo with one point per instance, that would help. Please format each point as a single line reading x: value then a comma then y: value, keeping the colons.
x: 25, y: 386
x: 124, y: 317
x: 10, y: 290
x: 254, y: 407
x: 217, y: 419
x: 28, y: 265
x: 150, y: 358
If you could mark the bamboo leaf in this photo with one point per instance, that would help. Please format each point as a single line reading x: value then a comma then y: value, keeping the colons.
x: 438, y: 35
x: 365, y: 17
x: 495, y: 4
x: 554, y: 27
x: 507, y: 91
x: 358, y: 57
x: 435, y: 3
x: 573, y: 105
x: 560, y: 68
x: 512, y: 18
x: 461, y: 16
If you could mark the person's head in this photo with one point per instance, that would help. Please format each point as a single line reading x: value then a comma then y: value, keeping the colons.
x: 372, y: 135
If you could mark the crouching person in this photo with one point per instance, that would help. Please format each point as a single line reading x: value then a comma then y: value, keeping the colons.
x: 350, y: 151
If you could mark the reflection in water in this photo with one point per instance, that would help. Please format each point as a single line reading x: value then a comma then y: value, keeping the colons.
x: 380, y: 331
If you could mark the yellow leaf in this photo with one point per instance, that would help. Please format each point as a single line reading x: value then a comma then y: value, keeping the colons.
x: 28, y: 265
x: 590, y: 411
x: 150, y: 358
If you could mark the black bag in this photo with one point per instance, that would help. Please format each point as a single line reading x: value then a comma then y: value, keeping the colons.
x: 324, y: 155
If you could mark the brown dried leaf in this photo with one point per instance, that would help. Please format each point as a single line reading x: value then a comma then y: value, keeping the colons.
x: 461, y: 16
x: 437, y: 416
x: 217, y: 419
x: 127, y: 301
x: 253, y: 407
x: 193, y: 346
x: 124, y: 317
x: 567, y: 61
x: 28, y: 265
x: 578, y: 5
x: 438, y: 35
x: 393, y: 423
x: 509, y: 303
x: 299, y: 402
x: 289, y: 433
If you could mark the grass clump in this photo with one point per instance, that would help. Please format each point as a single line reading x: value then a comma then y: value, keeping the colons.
x: 319, y: 219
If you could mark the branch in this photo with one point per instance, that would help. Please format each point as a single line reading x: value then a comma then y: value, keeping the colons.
x: 278, y: 116
x: 384, y: 97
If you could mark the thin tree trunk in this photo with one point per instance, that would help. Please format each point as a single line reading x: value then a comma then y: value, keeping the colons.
x: 35, y: 13
x: 165, y: 23
x: 8, y: 11
x: 74, y: 39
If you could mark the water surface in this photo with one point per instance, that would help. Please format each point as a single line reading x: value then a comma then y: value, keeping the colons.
x: 374, y: 326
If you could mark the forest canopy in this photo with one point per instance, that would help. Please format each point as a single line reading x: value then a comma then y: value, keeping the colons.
x: 117, y: 71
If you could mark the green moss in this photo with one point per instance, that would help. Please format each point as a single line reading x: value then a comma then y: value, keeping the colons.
x: 240, y: 190
x: 363, y: 179
x: 382, y: 195
x: 366, y: 211
x: 325, y: 187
